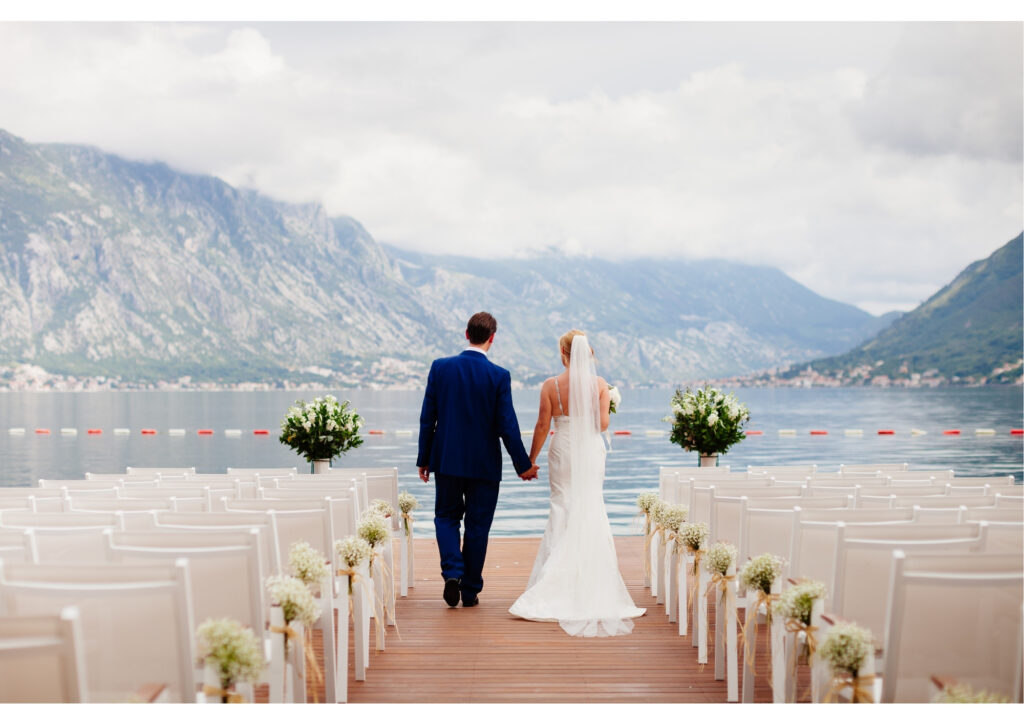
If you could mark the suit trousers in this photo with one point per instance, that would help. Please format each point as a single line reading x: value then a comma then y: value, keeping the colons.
x: 476, y: 500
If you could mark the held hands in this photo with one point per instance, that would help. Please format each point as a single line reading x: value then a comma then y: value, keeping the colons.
x: 531, y: 474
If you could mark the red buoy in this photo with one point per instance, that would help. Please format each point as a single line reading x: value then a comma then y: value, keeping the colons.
x: 1017, y: 431
x: 42, y: 431
x: 754, y: 432
x: 148, y: 431
x: 375, y: 432
x: 950, y: 432
x: 261, y: 432
x: 205, y: 432
x: 94, y: 431
x: 819, y: 432
x: 622, y: 432
x: 886, y: 432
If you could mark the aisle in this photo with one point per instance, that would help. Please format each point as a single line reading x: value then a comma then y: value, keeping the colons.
x: 483, y: 654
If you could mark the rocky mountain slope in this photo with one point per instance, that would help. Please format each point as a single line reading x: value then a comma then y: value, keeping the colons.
x: 135, y: 271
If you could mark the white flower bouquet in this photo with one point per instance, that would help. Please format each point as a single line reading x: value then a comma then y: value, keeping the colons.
x: 352, y: 551
x: 307, y: 563
x: 797, y: 601
x: 706, y: 420
x: 845, y: 648
x: 673, y: 517
x: 615, y: 399
x: 719, y: 557
x: 692, y: 535
x: 646, y: 500
x: 321, y: 429
x: 373, y: 528
x: 233, y: 650
x: 760, y: 572
x: 965, y: 694
x: 382, y: 508
x: 294, y: 598
x: 407, y: 503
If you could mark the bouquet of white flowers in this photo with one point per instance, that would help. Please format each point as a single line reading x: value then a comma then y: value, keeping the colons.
x: 382, y: 508
x: 706, y: 420
x: 294, y: 598
x: 846, y: 648
x: 615, y: 399
x: 761, y: 571
x: 692, y: 535
x: 233, y: 650
x: 307, y: 563
x: 719, y: 557
x: 352, y: 551
x: 321, y: 429
x: 407, y: 503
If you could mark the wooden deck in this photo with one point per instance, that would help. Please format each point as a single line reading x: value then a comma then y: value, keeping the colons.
x: 484, y: 655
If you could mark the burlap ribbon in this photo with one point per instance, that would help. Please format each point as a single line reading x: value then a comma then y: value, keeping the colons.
x: 722, y: 582
x: 378, y: 602
x: 226, y: 697
x: 795, y: 626
x: 407, y: 523
x: 860, y: 687
x: 647, y: 545
x: 750, y: 642
x: 311, y: 665
x: 694, y: 579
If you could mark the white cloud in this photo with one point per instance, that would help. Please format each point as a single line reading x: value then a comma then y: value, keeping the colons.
x: 869, y: 161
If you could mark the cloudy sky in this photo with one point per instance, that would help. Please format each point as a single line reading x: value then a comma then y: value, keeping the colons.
x: 870, y: 161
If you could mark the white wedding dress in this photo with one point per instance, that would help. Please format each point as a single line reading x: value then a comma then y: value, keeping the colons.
x: 575, y: 579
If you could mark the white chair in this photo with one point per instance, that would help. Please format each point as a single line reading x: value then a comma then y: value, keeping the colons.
x: 270, y: 559
x: 872, y: 467
x: 955, y: 615
x: 251, y: 473
x: 781, y: 470
x: 16, y: 504
x: 92, y: 505
x: 1002, y: 515
x: 160, y: 472
x: 123, y: 478
x: 47, y: 483
x: 1014, y: 502
x: 16, y: 546
x: 815, y: 533
x: 41, y: 659
x: 998, y: 481
x: 137, y: 623
x: 901, y: 475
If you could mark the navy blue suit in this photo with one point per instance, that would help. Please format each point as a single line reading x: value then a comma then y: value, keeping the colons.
x: 467, y: 409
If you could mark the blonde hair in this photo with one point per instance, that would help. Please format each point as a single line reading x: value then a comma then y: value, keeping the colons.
x: 565, y: 341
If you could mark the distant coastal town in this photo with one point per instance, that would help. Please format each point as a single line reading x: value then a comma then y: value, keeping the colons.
x: 393, y: 374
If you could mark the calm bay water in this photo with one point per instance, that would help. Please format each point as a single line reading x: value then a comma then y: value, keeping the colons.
x: 522, y: 507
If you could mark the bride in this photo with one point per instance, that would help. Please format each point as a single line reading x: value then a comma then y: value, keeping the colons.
x: 575, y: 579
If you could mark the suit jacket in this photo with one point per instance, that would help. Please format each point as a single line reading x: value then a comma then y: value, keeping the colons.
x: 467, y: 408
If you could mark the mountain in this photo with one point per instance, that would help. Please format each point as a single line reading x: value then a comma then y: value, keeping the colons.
x: 136, y: 272
x: 969, y: 331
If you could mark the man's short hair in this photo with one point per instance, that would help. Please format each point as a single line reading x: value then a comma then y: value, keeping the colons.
x: 480, y: 327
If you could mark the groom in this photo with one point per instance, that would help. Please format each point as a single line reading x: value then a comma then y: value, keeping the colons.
x: 466, y: 409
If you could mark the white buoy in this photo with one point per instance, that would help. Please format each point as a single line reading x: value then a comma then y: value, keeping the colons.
x: 69, y: 431
x: 787, y: 433
x: 655, y: 433
x: 122, y: 431
x: 176, y: 432
x: 15, y: 431
x: 984, y: 431
x: 232, y: 433
x: 915, y: 432
x: 853, y: 433
x: 403, y: 433
x: 526, y: 432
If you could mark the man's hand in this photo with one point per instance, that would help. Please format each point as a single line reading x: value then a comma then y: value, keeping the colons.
x: 425, y: 475
x: 530, y: 474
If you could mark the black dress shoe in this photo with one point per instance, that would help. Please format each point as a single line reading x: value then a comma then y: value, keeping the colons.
x: 470, y: 602
x: 451, y: 591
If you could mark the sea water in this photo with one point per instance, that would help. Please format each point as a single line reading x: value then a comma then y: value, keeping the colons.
x: 632, y: 463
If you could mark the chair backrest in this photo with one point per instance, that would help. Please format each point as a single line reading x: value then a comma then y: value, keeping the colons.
x: 872, y: 467
x: 925, y: 489
x: 1003, y: 515
x: 42, y: 659
x: 137, y: 623
x: 900, y: 476
x: 77, y: 484
x: 123, y: 478
x: 239, y: 521
x: 225, y: 568
x: 995, y: 482
x: 1015, y: 502
x: 765, y: 530
x: 311, y: 526
x: 955, y: 615
x: 860, y: 570
x: 68, y: 544
x: 251, y: 473
x: 16, y: 504
x: 21, y: 519
x: 781, y: 470
x: 815, y: 533
x: 24, y: 491
x: 702, y: 492
x: 947, y: 501
x: 93, y: 505
x: 16, y: 546
x: 384, y: 486
x: 1004, y: 537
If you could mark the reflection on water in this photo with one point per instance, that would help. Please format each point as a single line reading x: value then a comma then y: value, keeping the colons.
x: 522, y: 508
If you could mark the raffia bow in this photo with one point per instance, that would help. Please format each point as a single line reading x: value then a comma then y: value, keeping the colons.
x: 378, y: 602
x: 860, y: 687
x: 795, y: 626
x: 750, y: 642
x: 407, y: 524
x: 311, y: 664
x: 698, y: 553
x: 722, y: 582
x: 648, y: 534
x: 227, y: 697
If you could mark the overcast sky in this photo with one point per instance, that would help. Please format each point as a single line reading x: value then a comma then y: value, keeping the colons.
x: 869, y: 161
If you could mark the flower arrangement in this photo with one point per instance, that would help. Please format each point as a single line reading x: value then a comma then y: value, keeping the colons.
x: 719, y: 557
x: 797, y: 601
x: 692, y: 535
x: 307, y: 563
x: 761, y: 571
x: 352, y: 551
x: 964, y: 694
x: 232, y: 649
x: 294, y: 598
x: 846, y: 647
x: 321, y: 429
x: 657, y: 513
x: 673, y: 517
x: 382, y: 508
x: 373, y: 528
x: 615, y: 399
x: 706, y: 420
x: 407, y: 503
x: 645, y: 501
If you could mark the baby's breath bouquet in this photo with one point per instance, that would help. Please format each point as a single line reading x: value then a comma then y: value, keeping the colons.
x: 307, y: 563
x: 373, y: 529
x: 673, y: 517
x: 615, y: 399
x: 761, y: 571
x: 407, y: 503
x: 719, y: 557
x: 797, y: 601
x: 294, y: 598
x: 965, y: 694
x: 706, y: 420
x: 233, y: 650
x: 646, y: 500
x: 658, y: 511
x: 692, y: 535
x: 846, y: 648
x: 382, y: 508
x: 321, y: 429
x: 352, y: 551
